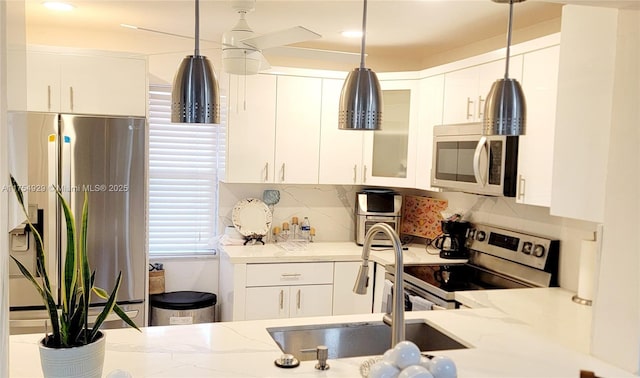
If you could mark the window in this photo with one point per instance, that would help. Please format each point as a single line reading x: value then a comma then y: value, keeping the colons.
x: 185, y: 162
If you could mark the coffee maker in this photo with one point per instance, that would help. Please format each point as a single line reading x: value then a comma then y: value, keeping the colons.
x: 452, y: 242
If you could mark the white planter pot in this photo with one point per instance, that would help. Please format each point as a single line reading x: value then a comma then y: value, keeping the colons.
x: 77, y: 362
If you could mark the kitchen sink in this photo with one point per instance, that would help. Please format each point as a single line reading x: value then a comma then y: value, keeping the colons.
x: 356, y: 339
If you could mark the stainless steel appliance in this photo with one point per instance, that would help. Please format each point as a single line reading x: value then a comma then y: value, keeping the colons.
x: 377, y: 206
x: 499, y: 259
x: 465, y: 160
x: 105, y: 157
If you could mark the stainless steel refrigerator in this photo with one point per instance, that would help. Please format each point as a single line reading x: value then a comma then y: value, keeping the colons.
x: 104, y: 156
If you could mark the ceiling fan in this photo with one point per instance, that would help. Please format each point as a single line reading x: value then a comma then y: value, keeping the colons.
x: 242, y: 47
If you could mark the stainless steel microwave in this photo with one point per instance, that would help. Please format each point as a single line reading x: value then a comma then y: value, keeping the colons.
x: 465, y: 160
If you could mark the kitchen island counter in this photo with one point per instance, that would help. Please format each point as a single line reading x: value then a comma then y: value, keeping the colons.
x: 501, y: 347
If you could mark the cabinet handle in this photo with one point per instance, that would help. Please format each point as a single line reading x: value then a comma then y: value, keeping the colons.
x: 480, y: 106
x: 364, y: 174
x: 290, y: 275
x: 298, y: 299
x: 355, y: 173
x: 266, y: 171
x: 48, y: 97
x: 521, y: 184
x: 469, y: 103
x: 282, y: 176
x: 281, y: 299
x: 71, y: 97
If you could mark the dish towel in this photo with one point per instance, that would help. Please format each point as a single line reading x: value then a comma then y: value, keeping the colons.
x: 386, y: 297
x: 420, y: 304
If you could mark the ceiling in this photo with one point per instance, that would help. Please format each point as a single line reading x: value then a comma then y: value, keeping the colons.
x: 401, y: 35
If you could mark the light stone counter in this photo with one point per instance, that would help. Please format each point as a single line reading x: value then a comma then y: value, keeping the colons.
x: 550, y: 311
x: 501, y: 347
x: 337, y: 251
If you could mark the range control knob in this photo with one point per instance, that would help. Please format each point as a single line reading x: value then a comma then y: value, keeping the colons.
x: 481, y: 235
x: 538, y: 250
x: 527, y: 247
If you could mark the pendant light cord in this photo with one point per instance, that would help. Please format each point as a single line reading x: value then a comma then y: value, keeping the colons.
x: 364, y: 34
x: 197, y: 49
x: 506, y: 68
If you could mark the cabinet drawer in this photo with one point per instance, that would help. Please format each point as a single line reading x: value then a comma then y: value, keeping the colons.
x: 289, y: 274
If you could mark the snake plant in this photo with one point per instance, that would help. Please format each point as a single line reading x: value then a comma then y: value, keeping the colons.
x: 70, y: 323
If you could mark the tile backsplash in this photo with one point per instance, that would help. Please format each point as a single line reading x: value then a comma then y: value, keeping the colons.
x: 330, y: 209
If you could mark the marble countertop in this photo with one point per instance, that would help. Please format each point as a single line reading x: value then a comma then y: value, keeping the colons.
x: 501, y: 346
x: 550, y: 311
x: 326, y: 251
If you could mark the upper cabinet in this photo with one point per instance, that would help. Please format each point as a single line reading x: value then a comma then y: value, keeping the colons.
x: 298, y: 104
x: 274, y: 129
x: 466, y: 89
x: 251, y: 131
x: 389, y: 154
x: 340, y: 150
x: 586, y: 79
x: 84, y: 84
x: 430, y: 114
x: 535, y: 150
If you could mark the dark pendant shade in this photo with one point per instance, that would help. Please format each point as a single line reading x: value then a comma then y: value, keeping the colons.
x: 195, y: 97
x: 360, y: 101
x: 505, y: 111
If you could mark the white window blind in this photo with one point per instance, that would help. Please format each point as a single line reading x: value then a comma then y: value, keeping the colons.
x: 185, y: 161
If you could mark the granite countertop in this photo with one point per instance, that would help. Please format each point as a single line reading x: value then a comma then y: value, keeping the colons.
x: 501, y: 347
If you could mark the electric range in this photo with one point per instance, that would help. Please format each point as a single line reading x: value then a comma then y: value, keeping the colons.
x: 499, y: 259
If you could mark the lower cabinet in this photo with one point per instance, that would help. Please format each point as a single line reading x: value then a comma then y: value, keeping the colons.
x: 288, y: 301
x: 257, y: 291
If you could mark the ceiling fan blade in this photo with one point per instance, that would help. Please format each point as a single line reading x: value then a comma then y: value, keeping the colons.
x: 166, y: 33
x: 314, y: 54
x: 281, y: 38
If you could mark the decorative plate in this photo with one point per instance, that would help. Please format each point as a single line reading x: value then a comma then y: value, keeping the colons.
x: 251, y: 217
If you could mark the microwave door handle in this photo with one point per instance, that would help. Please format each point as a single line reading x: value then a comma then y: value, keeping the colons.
x: 476, y: 160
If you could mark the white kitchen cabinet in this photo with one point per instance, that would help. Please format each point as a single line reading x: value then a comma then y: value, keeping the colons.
x: 465, y: 90
x: 389, y: 154
x: 340, y: 150
x: 288, y: 290
x: 273, y: 302
x: 535, y: 151
x: 86, y: 84
x: 251, y: 129
x: 297, y: 129
x: 587, y: 68
x: 274, y: 129
x: 430, y: 114
x: 345, y: 301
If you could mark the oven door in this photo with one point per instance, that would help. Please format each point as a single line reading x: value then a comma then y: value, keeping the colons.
x: 411, y: 290
x: 475, y: 163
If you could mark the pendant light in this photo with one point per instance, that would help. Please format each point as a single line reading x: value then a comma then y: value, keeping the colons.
x: 195, y: 97
x: 505, y: 109
x: 361, y: 96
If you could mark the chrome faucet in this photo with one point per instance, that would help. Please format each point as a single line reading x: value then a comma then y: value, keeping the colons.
x: 396, y: 318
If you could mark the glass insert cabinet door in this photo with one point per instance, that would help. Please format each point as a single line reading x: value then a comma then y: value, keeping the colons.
x: 389, y: 153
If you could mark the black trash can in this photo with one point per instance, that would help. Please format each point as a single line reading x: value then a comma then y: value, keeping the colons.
x: 182, y: 307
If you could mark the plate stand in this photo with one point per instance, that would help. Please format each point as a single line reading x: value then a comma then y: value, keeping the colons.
x: 257, y: 238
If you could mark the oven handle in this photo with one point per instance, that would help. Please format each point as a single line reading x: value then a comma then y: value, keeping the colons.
x: 482, y: 144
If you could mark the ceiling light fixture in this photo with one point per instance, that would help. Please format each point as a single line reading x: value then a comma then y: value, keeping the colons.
x: 361, y: 96
x: 58, y: 6
x: 195, y: 97
x: 505, y: 109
